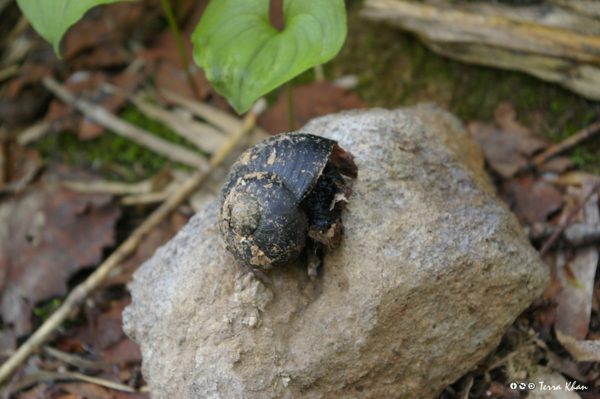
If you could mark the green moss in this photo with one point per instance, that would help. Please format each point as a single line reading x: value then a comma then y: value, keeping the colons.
x: 45, y: 309
x: 395, y: 69
x: 112, y: 152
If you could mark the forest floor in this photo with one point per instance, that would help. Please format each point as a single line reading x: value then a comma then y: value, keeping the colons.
x: 44, y: 142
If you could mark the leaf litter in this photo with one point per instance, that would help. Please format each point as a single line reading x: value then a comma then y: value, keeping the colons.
x: 96, y: 334
x: 557, y: 338
x: 310, y: 101
x: 46, y: 235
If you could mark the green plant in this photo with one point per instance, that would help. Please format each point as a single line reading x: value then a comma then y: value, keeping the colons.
x: 243, y: 56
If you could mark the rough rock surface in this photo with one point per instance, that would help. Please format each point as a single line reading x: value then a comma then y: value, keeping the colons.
x: 430, y: 272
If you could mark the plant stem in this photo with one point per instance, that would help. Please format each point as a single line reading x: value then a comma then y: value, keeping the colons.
x: 177, y: 35
x: 290, y: 104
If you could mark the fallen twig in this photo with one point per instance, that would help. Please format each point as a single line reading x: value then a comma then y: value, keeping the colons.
x: 31, y: 379
x: 567, y: 144
x: 33, y: 132
x: 109, y: 187
x: 150, y: 198
x: 202, y: 135
x: 576, y: 234
x: 103, y: 117
x: 564, y: 224
x: 8, y: 72
x: 78, y: 361
x: 80, y: 292
x: 213, y: 115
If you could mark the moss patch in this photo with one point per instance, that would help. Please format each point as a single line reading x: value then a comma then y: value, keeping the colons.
x: 114, y: 156
x: 395, y: 69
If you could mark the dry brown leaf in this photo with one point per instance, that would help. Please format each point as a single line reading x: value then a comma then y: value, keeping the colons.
x: 165, y: 64
x: 311, y: 100
x: 38, y: 391
x: 22, y: 166
x: 582, y: 351
x: 505, y: 118
x: 156, y: 238
x: 577, y: 277
x: 170, y: 75
x: 103, y: 334
x: 26, y: 107
x: 557, y: 165
x: 532, y: 200
x: 86, y: 85
x: 46, y: 236
x: 111, y: 55
x: 113, y: 23
x: 508, y: 145
x: 506, y: 151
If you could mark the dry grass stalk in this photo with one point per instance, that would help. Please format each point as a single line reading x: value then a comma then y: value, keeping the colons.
x: 101, y: 116
x: 80, y: 292
x: 567, y: 144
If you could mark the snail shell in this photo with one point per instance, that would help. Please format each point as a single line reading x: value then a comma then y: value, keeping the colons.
x: 263, y: 218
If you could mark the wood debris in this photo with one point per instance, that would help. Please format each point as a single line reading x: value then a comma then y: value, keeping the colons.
x: 557, y: 41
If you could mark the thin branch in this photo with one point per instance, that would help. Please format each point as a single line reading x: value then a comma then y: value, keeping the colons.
x: 78, y: 361
x: 290, y: 105
x: 567, y: 144
x: 33, y: 132
x: 80, y: 292
x: 9, y: 72
x: 109, y: 187
x: 202, y: 135
x: 103, y: 117
x: 31, y: 379
x: 564, y: 224
x: 575, y: 234
x: 217, y: 117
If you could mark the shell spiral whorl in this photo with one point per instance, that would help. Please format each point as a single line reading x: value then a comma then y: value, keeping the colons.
x: 262, y: 216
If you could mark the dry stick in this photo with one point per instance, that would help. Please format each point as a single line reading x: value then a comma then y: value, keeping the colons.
x: 79, y: 293
x: 204, y: 136
x: 567, y: 144
x: 213, y: 115
x: 78, y: 361
x: 31, y: 379
x: 9, y: 72
x: 564, y: 224
x: 102, y: 116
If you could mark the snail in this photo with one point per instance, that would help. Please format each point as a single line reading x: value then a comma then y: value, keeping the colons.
x: 282, y: 195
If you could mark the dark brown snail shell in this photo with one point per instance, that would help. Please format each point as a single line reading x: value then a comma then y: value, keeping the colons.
x: 280, y: 193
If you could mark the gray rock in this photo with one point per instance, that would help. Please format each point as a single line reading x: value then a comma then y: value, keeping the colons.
x: 431, y: 270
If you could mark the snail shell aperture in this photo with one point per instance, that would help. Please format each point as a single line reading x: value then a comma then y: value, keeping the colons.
x: 279, y: 194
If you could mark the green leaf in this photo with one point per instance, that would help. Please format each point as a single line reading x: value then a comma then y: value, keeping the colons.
x: 52, y: 18
x: 245, y: 57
